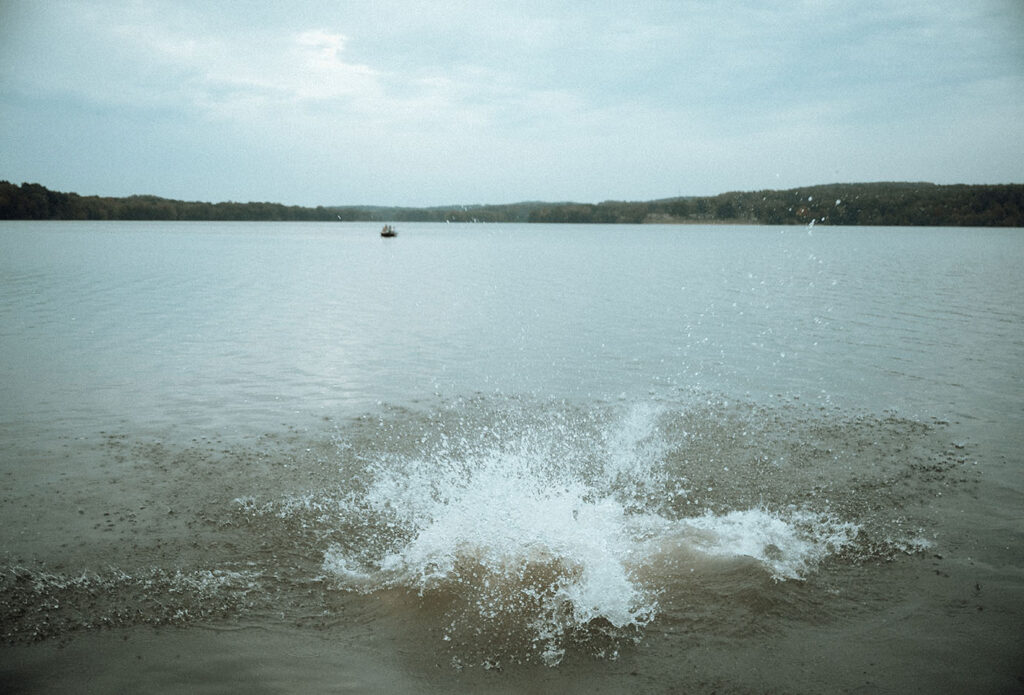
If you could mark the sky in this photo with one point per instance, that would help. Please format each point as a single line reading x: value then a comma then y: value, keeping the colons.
x: 409, y: 102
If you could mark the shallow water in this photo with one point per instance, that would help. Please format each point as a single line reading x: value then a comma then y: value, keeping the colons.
x: 511, y: 458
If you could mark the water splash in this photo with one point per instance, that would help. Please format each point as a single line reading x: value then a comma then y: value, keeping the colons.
x: 508, y: 529
x: 553, y: 531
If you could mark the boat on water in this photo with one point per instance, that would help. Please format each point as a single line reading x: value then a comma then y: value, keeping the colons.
x: 388, y: 231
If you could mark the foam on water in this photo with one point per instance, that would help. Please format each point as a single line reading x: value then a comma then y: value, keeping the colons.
x: 499, y: 527
x: 47, y: 604
x: 554, y: 531
x: 788, y: 545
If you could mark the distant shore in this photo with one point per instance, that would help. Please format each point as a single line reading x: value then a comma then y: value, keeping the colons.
x: 865, y: 204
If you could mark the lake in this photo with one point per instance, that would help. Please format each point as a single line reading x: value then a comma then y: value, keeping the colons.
x: 293, y: 457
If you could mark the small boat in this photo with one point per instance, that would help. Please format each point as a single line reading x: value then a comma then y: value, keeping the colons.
x: 388, y: 231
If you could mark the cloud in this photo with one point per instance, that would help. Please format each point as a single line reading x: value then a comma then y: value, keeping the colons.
x: 409, y: 101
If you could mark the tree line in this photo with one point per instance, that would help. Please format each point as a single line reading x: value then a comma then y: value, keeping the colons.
x: 31, y: 201
x: 891, y: 204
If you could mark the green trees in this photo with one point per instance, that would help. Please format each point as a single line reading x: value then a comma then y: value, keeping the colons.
x: 30, y: 201
x: 835, y: 204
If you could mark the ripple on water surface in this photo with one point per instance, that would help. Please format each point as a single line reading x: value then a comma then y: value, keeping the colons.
x: 506, y: 529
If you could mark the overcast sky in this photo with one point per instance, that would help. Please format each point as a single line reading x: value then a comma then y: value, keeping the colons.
x: 403, y: 102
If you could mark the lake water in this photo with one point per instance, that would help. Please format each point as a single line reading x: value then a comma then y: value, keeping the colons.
x: 511, y: 458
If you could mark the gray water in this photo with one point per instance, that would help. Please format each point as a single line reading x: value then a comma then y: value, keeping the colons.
x: 511, y: 457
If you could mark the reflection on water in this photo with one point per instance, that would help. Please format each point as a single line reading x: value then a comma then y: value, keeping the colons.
x: 507, y: 447
x: 187, y: 322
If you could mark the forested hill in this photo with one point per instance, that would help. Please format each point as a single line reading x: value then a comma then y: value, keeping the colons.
x: 922, y: 204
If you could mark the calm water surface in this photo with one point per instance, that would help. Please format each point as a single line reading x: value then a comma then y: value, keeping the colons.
x: 511, y: 457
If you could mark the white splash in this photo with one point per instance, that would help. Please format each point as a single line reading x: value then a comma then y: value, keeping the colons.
x: 788, y: 545
x: 558, y: 545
